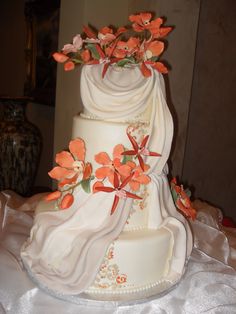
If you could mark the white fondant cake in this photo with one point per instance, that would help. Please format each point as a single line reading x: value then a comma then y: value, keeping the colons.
x: 146, y: 241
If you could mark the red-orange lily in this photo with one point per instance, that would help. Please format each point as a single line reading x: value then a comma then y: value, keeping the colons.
x: 143, y: 22
x: 109, y: 166
x: 140, y: 150
x: 119, y: 191
x: 70, y: 164
x: 126, y: 48
x: 183, y: 202
x: 139, y: 177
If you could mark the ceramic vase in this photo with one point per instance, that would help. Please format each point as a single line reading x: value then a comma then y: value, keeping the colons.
x: 20, y: 147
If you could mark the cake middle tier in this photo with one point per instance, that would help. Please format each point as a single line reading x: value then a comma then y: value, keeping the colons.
x: 102, y: 136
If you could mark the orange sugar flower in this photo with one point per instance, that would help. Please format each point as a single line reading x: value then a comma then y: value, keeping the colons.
x: 143, y: 22
x: 182, y: 201
x: 70, y: 164
x: 126, y: 48
x: 184, y: 204
x: 139, y: 177
x: 153, y: 49
x: 109, y: 166
x: 139, y: 150
x: 105, y: 35
x: 140, y: 21
x: 75, y: 46
x: 118, y: 188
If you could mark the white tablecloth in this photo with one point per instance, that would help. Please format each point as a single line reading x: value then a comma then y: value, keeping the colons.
x: 208, y: 286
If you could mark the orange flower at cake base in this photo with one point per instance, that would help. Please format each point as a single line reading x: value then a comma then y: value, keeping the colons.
x: 182, y: 200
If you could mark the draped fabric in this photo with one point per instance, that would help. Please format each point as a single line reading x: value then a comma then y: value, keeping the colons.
x: 66, y: 248
x: 121, y: 95
x: 208, y: 286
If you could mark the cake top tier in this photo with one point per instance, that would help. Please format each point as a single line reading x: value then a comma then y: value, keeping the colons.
x: 139, y: 44
x: 124, y: 93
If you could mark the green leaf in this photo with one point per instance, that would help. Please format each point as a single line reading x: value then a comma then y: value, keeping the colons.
x: 154, y: 59
x: 77, y: 61
x: 125, y: 61
x: 126, y: 158
x: 174, y: 194
x: 92, y: 48
x: 86, y: 184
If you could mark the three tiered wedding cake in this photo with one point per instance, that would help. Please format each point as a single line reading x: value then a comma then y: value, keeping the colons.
x: 111, y: 230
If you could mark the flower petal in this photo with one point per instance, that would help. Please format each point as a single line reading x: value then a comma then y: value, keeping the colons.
x: 160, y: 67
x: 60, y: 173
x: 60, y: 57
x: 105, y: 189
x: 87, y: 171
x: 116, y: 181
x: 156, y: 47
x: 145, y: 70
x: 103, y: 172
x: 77, y: 148
x: 115, y: 203
x: 131, y: 195
x: 96, y: 185
x: 67, y: 201
x: 117, y: 151
x: 69, y: 66
x: 143, y: 179
x: 102, y: 158
x: 126, y: 181
x: 68, y: 181
x: 64, y: 159
x: 141, y: 162
x: 53, y: 196
x: 124, y: 170
x: 90, y: 33
x: 145, y: 17
x: 144, y: 141
x: 134, y: 185
x: 85, y: 55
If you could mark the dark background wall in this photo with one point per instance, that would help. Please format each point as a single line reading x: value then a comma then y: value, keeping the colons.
x: 13, y: 76
x: 209, y: 162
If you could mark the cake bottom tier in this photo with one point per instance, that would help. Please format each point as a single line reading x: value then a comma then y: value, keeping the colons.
x: 137, y: 261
